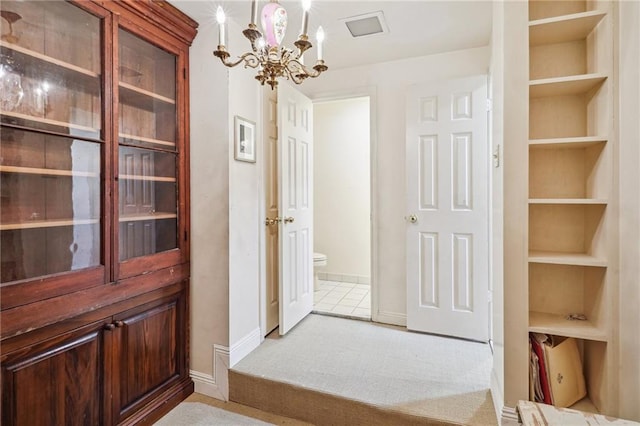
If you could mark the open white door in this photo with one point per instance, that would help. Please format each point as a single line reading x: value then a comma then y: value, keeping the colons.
x: 447, y: 162
x: 295, y: 204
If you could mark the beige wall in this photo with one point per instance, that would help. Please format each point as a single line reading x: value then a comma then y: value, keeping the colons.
x: 209, y: 203
x: 342, y: 202
x: 629, y: 187
x: 389, y: 81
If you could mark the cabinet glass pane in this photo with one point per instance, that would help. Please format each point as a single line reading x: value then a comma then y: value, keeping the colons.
x: 49, y: 204
x: 147, y: 93
x: 147, y: 202
x: 50, y: 67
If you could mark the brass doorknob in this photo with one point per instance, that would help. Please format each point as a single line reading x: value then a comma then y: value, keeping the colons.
x: 289, y: 219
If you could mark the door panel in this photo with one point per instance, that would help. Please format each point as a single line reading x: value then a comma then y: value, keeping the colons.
x: 447, y: 199
x: 149, y: 353
x: 295, y: 169
x: 270, y: 117
x: 56, y: 385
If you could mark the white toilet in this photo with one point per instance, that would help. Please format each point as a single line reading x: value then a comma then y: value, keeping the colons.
x: 319, y: 260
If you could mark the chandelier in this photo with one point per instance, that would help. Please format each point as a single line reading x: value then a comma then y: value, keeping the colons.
x: 272, y: 60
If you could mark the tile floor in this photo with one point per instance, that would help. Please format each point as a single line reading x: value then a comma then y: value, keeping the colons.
x: 343, y: 299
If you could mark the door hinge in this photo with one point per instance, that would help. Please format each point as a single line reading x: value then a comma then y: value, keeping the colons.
x: 489, y: 296
x: 489, y: 105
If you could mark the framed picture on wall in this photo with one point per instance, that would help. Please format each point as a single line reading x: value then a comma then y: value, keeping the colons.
x: 245, y: 140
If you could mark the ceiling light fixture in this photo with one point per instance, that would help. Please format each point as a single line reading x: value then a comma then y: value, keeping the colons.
x: 272, y: 60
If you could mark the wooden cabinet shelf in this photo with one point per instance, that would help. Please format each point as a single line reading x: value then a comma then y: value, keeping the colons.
x: 141, y: 98
x: 560, y: 326
x: 33, y: 224
x: 48, y: 64
x: 576, y: 143
x: 148, y: 216
x: 13, y: 116
x: 47, y: 172
x: 126, y: 139
x: 559, y: 258
x: 563, y: 28
x: 560, y: 86
x: 149, y: 178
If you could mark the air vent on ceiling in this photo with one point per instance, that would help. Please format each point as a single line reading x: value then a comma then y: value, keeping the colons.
x: 367, y: 24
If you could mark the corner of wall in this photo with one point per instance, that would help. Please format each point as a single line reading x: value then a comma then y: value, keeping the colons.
x: 216, y: 385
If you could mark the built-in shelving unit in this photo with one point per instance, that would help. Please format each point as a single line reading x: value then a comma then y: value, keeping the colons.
x: 150, y: 216
x: 570, y: 183
x: 46, y: 224
x: 125, y: 139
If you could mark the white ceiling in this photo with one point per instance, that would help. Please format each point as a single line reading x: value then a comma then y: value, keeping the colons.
x: 416, y: 28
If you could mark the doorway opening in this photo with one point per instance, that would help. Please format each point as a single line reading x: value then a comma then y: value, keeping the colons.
x: 342, y: 207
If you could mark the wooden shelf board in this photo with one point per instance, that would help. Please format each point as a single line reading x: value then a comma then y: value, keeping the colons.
x: 129, y: 91
x: 559, y: 86
x: 50, y: 122
x: 48, y: 172
x: 540, y: 322
x: 154, y: 216
x: 560, y: 29
x: 46, y: 224
x: 150, y: 178
x: 557, y: 258
x: 148, y: 140
x: 49, y: 59
x: 567, y: 201
x: 585, y: 405
x: 577, y: 143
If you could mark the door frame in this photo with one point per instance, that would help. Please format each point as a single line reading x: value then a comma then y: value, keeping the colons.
x: 359, y: 92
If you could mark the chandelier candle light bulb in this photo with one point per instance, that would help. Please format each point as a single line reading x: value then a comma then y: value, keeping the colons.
x: 254, y: 12
x: 306, y: 5
x: 221, y: 18
x: 320, y: 38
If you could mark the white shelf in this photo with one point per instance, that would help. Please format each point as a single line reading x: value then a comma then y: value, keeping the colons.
x: 577, y: 143
x: 47, y: 172
x: 45, y: 224
x: 560, y: 29
x: 557, y: 258
x: 149, y: 178
x: 567, y: 201
x: 147, y: 216
x: 559, y: 86
x: 558, y: 325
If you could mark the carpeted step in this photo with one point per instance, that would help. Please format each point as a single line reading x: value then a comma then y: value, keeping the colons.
x: 317, y: 407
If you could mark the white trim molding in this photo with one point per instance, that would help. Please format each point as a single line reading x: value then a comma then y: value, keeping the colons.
x: 244, y: 347
x: 216, y: 386
x: 509, y: 417
x: 392, y: 318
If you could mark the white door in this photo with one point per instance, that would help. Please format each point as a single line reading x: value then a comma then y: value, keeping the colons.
x: 447, y: 163
x: 295, y: 172
x: 270, y: 131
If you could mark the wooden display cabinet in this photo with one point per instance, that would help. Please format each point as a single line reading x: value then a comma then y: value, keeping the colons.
x: 571, y: 141
x: 94, y: 209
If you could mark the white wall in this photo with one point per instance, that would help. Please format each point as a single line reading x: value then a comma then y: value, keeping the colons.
x: 245, y: 180
x: 510, y: 71
x: 389, y: 81
x: 629, y: 158
x: 341, y: 190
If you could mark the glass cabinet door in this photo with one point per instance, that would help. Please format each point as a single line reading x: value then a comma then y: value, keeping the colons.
x: 51, y: 151
x: 148, y: 209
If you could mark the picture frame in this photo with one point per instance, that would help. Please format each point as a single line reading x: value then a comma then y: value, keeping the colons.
x: 244, y: 140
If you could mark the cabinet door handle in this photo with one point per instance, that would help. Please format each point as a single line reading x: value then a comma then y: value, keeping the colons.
x: 109, y: 326
x: 119, y: 323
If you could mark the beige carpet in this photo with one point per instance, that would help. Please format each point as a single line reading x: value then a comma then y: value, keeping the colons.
x: 331, y: 370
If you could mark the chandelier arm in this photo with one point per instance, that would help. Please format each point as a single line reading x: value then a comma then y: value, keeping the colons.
x: 249, y: 59
x: 307, y: 72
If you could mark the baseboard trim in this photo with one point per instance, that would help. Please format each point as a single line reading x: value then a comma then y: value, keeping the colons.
x: 392, y: 318
x: 496, y: 393
x: 216, y: 386
x: 244, y: 347
x: 161, y: 405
